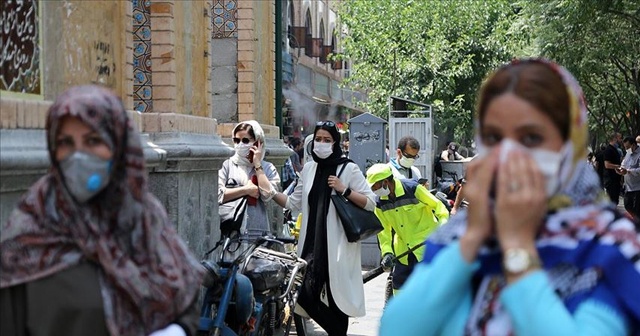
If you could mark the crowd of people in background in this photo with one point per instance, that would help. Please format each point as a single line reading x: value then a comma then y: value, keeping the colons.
x: 89, y: 250
x: 617, y: 164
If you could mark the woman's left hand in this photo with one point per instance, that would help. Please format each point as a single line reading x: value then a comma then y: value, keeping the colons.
x: 336, y: 184
x: 521, y: 201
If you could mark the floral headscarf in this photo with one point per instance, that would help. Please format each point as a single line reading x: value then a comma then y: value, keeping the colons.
x: 574, y: 150
x: 148, y: 276
x: 583, y: 236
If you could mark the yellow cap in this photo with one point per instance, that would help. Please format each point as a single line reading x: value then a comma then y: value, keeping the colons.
x: 378, y: 172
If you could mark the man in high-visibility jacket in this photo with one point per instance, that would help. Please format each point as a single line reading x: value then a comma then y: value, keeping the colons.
x: 409, y: 213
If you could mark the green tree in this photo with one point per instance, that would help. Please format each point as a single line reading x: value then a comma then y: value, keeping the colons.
x: 599, y: 42
x: 435, y: 51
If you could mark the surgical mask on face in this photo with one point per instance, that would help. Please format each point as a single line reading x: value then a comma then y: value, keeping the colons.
x: 322, y: 149
x: 406, y: 162
x: 548, y: 162
x: 382, y: 192
x: 629, y: 151
x: 85, y: 175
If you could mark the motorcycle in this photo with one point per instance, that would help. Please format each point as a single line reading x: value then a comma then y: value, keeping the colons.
x: 255, y: 293
x: 447, y: 189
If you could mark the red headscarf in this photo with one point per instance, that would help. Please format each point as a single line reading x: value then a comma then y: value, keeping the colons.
x: 148, y: 276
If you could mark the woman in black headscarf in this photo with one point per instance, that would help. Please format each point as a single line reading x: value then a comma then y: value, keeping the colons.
x: 333, y: 288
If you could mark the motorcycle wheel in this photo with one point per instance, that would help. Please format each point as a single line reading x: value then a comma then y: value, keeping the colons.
x: 388, y: 289
x: 301, y: 325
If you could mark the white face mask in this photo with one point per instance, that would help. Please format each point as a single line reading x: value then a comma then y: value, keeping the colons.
x: 406, y: 162
x: 630, y: 150
x: 549, y: 162
x: 382, y: 192
x: 322, y: 149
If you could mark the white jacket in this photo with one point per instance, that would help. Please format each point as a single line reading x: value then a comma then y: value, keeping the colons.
x: 345, y: 271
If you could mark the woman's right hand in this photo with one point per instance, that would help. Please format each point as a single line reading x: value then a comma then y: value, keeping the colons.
x: 252, y: 190
x: 480, y: 175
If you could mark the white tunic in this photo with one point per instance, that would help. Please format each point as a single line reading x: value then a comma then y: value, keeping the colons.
x: 345, y: 271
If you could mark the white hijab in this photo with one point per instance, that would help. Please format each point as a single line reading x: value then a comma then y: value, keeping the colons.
x: 259, y: 136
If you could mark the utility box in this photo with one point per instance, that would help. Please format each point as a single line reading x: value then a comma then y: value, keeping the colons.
x: 407, y: 117
x: 367, y: 140
x: 367, y: 146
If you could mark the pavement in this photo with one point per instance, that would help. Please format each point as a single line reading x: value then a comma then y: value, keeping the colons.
x: 368, y: 324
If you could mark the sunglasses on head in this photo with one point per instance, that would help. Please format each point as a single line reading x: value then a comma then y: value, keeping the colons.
x: 244, y: 140
x: 409, y: 156
x: 328, y: 123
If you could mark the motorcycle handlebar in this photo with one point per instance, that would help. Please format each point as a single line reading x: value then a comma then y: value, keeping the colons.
x: 277, y: 240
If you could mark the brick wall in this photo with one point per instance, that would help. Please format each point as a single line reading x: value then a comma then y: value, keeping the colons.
x: 246, y: 63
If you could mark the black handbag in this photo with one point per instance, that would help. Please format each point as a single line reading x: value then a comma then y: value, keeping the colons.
x: 357, y: 222
x: 232, y: 212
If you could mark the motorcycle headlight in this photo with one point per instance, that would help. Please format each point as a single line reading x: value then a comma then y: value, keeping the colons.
x: 212, y: 273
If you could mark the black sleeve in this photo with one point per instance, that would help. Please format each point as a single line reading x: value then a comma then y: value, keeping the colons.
x: 612, y: 156
x: 190, y: 318
x: 13, y: 311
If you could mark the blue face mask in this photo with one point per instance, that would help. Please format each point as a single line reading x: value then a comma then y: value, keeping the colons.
x: 85, y: 175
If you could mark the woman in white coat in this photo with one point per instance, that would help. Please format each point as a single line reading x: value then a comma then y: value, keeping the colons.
x: 333, y: 288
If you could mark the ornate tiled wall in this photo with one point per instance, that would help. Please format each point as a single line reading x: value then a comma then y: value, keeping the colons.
x: 20, y: 41
x: 224, y: 18
x: 142, y: 84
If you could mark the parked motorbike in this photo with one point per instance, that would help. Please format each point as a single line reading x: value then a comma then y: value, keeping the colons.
x: 255, y: 293
x: 447, y: 189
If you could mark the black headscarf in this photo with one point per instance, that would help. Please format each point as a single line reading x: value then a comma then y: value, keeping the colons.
x: 315, y: 244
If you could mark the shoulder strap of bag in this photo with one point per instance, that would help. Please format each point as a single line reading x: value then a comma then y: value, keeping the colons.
x: 340, y: 173
x: 342, y: 168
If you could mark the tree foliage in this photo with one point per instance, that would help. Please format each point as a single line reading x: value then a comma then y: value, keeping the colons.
x: 599, y: 42
x: 435, y: 52
x: 439, y: 51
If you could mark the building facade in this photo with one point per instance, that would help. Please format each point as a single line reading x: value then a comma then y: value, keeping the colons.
x: 313, y: 69
x: 188, y: 71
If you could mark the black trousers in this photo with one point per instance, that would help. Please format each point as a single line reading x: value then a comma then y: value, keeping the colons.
x: 401, y: 272
x: 632, y: 203
x: 613, y: 190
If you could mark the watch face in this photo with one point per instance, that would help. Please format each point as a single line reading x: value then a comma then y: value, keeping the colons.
x: 516, y: 260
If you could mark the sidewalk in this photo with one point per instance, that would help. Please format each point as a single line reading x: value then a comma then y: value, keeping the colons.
x: 368, y: 324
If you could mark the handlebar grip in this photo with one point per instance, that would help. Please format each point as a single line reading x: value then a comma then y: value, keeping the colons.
x: 286, y: 240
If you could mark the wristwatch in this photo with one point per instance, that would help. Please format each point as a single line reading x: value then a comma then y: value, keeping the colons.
x: 346, y: 192
x: 518, y: 260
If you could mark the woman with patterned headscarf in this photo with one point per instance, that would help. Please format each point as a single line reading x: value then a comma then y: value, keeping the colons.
x: 539, y: 251
x: 89, y: 250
